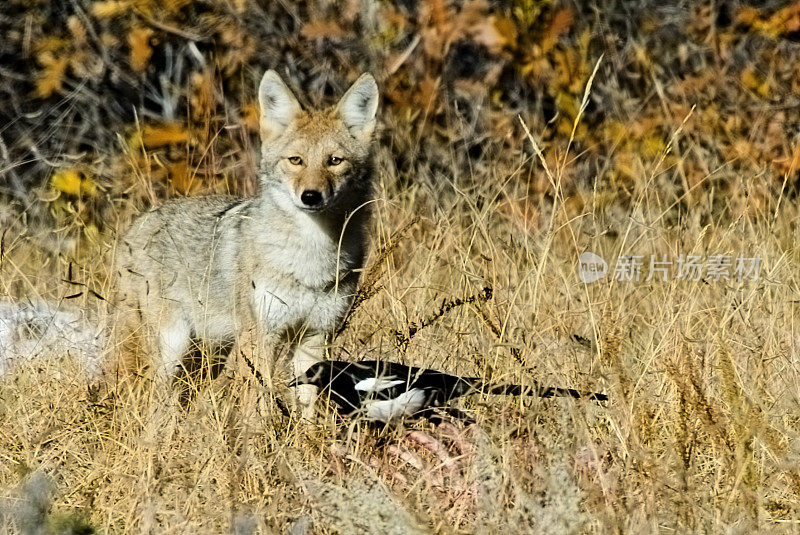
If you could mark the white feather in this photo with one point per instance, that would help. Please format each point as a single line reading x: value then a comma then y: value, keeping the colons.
x: 404, y: 405
x: 376, y: 384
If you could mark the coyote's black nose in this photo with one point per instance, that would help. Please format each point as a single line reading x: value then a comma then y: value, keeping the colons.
x: 311, y: 197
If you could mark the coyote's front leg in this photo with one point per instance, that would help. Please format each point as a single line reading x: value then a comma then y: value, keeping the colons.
x: 267, y: 341
x: 310, y: 350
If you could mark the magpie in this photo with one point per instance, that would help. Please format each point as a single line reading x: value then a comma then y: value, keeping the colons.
x: 384, y: 391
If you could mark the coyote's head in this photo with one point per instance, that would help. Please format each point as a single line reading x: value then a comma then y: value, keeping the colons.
x: 318, y: 159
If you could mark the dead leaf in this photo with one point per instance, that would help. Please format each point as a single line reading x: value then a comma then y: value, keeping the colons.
x: 141, y: 50
x: 51, y: 77
x: 495, y: 33
x: 154, y: 136
x: 182, y: 178
x: 110, y: 9
x: 756, y: 82
x: 323, y: 30
x: 73, y: 181
x: 562, y: 22
x: 251, y: 115
x: 203, y: 94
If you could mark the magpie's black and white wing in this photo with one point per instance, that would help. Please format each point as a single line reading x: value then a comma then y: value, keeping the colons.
x: 390, y: 397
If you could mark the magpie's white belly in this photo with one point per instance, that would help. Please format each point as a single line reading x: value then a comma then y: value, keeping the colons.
x: 405, y: 404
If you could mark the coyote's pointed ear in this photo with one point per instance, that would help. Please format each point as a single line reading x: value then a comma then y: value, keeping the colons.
x: 278, y: 105
x: 358, y: 107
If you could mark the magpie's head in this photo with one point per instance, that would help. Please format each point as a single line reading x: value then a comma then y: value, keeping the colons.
x: 315, y: 375
x: 321, y: 374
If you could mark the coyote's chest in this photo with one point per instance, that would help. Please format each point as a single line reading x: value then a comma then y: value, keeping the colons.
x: 280, y: 306
x: 307, y: 280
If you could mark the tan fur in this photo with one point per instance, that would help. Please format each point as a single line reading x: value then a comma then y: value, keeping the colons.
x: 214, y: 268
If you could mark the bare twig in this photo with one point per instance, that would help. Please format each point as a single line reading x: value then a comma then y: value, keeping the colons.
x: 402, y: 340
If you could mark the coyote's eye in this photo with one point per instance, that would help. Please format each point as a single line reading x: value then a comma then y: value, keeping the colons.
x: 333, y: 160
x: 295, y: 160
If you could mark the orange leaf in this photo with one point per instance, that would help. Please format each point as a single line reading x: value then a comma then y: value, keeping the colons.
x: 747, y: 15
x: 141, y: 51
x: 52, y: 76
x: 251, y: 115
x: 181, y: 177
x: 427, y: 94
x: 437, y: 13
x: 755, y: 82
x: 561, y: 24
x: 152, y: 136
x: 203, y: 95
x: 109, y: 9
x: 323, y: 30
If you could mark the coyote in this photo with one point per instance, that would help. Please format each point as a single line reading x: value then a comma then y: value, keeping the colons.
x: 281, y: 266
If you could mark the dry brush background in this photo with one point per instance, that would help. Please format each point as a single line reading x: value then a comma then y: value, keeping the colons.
x: 687, y: 142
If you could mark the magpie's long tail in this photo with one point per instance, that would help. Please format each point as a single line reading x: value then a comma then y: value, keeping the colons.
x: 538, y: 390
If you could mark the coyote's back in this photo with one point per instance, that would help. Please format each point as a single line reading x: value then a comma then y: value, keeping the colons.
x: 281, y: 264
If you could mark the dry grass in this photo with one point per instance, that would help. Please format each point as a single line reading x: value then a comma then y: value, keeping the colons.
x: 701, y: 433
